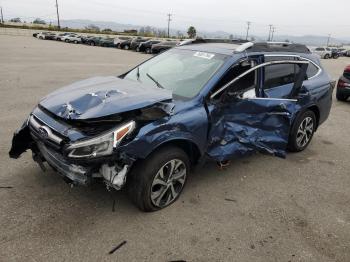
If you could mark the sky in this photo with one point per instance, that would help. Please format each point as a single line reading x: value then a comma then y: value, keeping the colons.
x: 297, y: 17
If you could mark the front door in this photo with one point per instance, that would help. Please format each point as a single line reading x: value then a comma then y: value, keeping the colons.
x: 245, y: 120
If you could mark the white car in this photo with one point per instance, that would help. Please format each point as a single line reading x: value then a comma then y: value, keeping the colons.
x: 323, y: 52
x: 119, y: 40
x: 42, y: 35
x: 71, y: 39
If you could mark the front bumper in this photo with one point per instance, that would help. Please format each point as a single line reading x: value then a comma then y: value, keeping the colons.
x: 75, y: 174
x: 47, y: 145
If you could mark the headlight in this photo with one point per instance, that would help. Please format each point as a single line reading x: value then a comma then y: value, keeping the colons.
x: 101, y: 145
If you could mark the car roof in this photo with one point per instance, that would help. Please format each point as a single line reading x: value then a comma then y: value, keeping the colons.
x: 248, y: 47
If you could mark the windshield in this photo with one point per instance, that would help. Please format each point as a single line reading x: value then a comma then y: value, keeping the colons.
x: 184, y: 72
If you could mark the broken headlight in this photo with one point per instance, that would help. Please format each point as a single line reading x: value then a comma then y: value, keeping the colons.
x: 102, y: 145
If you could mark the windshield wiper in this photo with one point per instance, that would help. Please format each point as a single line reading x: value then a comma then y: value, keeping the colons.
x: 155, y: 81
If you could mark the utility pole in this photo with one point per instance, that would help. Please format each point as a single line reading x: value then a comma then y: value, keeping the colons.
x: 248, y: 27
x: 272, y: 32
x: 269, y: 38
x: 329, y: 38
x: 169, y: 19
x: 2, y: 17
x: 58, y: 16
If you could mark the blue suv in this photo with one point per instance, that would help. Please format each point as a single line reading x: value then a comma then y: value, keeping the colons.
x: 145, y: 129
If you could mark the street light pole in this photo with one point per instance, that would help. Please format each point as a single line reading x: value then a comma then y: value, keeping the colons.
x: 329, y: 38
x: 248, y: 27
x: 272, y: 32
x: 2, y: 17
x: 169, y: 19
x: 269, y: 38
x: 58, y: 16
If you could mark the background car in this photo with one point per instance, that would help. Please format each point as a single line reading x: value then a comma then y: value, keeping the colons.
x: 107, y: 42
x: 162, y: 46
x: 125, y: 44
x: 342, y: 51
x: 59, y: 36
x: 85, y: 38
x: 343, y: 86
x: 147, y: 46
x: 335, y: 53
x: 42, y: 35
x: 50, y: 36
x: 93, y: 41
x: 72, y: 38
x: 323, y: 52
x: 120, y: 39
x: 136, y: 42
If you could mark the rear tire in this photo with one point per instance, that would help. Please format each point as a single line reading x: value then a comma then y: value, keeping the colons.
x: 92, y: 43
x: 341, y: 97
x: 148, y: 51
x: 126, y: 47
x: 302, y: 131
x: 158, y: 181
x: 326, y: 56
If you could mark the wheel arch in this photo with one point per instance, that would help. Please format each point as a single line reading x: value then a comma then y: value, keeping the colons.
x: 316, y: 111
x: 188, y: 146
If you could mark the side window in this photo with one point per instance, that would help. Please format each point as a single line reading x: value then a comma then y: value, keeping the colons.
x: 248, y: 82
x: 279, y: 75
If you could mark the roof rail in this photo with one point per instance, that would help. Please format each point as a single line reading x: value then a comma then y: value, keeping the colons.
x: 200, y: 40
x: 273, y: 47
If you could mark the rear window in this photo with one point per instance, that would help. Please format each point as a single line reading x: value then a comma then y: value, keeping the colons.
x: 312, y: 70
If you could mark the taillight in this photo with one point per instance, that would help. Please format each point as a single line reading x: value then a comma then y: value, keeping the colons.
x: 342, y: 84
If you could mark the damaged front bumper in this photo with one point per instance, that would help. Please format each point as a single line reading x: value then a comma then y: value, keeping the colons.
x: 74, y: 174
x: 48, y: 147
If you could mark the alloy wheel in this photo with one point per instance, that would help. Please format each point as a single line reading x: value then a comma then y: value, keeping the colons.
x: 305, y: 132
x: 168, y: 183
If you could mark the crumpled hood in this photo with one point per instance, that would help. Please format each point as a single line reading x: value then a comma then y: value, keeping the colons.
x: 102, y: 96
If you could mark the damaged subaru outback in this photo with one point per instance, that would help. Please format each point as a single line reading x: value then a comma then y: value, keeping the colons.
x: 144, y: 130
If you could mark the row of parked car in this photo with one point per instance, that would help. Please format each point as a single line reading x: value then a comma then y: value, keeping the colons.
x: 139, y: 44
x: 329, y: 52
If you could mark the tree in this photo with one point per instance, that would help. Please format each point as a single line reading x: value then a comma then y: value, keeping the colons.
x: 39, y: 21
x: 92, y: 27
x: 15, y: 20
x: 107, y: 30
x: 192, y: 32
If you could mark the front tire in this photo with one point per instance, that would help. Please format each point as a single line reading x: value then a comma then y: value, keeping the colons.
x: 327, y: 56
x: 302, y: 131
x: 126, y: 47
x: 157, y: 182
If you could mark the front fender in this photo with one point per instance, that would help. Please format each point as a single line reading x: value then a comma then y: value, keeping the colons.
x: 191, y: 126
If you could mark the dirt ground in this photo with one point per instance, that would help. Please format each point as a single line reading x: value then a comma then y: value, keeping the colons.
x: 260, y: 209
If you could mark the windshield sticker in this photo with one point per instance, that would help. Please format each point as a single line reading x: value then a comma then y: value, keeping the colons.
x: 204, y: 55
